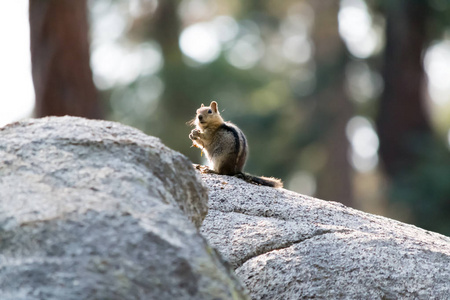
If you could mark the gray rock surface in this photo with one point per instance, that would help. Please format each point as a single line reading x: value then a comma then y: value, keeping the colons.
x: 284, y: 245
x: 98, y: 210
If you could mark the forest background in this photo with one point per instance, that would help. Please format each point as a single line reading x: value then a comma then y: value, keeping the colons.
x: 344, y: 100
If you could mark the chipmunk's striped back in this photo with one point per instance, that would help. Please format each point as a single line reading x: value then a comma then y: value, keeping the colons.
x: 240, y: 146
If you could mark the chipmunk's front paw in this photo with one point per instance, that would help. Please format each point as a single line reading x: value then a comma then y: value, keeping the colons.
x: 195, y: 134
x: 204, y: 169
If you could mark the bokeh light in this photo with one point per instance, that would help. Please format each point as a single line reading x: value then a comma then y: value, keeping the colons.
x: 246, y: 52
x: 362, y: 83
x: 200, y: 42
x: 302, y: 182
x: 357, y: 30
x: 437, y: 67
x: 364, y: 144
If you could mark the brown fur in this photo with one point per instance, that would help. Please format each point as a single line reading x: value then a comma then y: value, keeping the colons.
x: 224, y: 144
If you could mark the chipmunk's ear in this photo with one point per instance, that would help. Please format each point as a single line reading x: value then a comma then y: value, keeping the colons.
x: 214, y: 106
x: 202, y: 105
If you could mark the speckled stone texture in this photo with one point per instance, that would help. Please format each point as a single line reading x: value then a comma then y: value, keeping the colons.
x: 98, y: 210
x: 284, y: 245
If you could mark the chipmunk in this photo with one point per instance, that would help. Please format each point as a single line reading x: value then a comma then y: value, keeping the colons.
x: 225, y: 146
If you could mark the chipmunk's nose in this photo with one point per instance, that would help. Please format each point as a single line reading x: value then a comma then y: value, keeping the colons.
x: 200, y: 118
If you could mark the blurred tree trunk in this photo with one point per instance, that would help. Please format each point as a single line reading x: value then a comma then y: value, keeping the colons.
x: 60, y: 59
x: 175, y: 74
x: 167, y: 29
x: 334, y: 182
x: 402, y: 119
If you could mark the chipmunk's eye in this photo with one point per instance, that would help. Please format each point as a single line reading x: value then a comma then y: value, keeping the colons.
x: 209, y: 111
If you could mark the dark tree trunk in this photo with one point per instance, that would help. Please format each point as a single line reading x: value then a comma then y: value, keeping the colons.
x: 60, y: 59
x: 402, y: 119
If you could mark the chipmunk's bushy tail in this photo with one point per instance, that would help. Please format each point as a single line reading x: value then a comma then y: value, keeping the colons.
x: 261, y: 180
